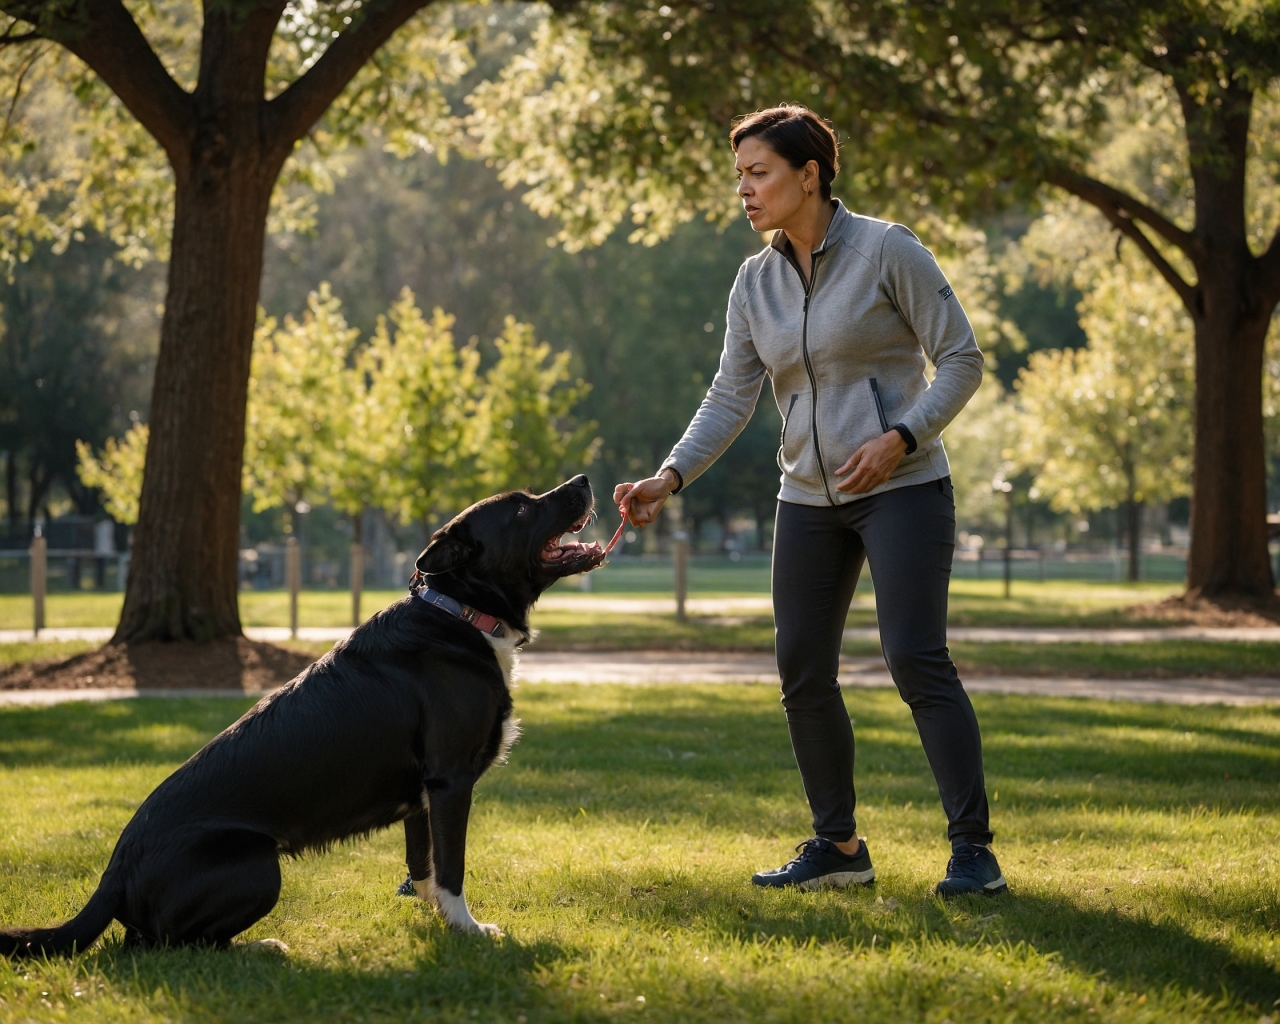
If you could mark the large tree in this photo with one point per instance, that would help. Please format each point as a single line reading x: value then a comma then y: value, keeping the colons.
x: 963, y: 106
x: 227, y: 96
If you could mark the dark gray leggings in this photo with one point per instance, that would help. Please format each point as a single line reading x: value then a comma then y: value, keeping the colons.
x: 908, y: 534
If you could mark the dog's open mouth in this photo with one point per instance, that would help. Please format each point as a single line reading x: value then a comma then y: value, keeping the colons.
x: 567, y: 558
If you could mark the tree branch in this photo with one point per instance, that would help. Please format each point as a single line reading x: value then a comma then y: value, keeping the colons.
x: 1123, y: 223
x: 1109, y: 200
x: 106, y: 37
x: 291, y: 114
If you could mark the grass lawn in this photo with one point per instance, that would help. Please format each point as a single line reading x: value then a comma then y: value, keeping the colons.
x: 615, y: 851
x: 1162, y: 659
x: 973, y: 602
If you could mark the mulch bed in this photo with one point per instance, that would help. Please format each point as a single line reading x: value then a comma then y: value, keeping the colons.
x: 218, y: 665
x: 1199, y: 611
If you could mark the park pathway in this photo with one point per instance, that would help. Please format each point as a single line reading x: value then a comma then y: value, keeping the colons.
x: 649, y: 667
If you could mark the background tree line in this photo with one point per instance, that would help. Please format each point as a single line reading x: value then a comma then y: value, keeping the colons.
x: 616, y: 116
x: 404, y: 421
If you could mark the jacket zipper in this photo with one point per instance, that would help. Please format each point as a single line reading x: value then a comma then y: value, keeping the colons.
x: 786, y: 420
x: 875, y: 391
x: 808, y: 365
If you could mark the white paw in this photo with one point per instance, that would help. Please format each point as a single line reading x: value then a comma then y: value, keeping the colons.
x: 268, y: 946
x: 454, y: 910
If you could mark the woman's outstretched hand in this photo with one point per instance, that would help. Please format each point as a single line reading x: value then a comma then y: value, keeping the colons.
x: 873, y: 463
x: 644, y: 500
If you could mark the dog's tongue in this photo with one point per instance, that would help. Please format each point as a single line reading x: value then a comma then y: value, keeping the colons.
x: 555, y: 551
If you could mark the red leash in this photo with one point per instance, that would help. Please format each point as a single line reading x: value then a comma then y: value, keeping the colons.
x: 621, y: 526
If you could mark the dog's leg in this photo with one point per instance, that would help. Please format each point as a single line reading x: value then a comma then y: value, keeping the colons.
x: 417, y: 853
x: 209, y: 888
x: 449, y: 807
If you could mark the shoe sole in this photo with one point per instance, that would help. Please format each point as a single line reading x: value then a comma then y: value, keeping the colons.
x: 835, y: 880
x: 840, y: 880
x: 996, y: 888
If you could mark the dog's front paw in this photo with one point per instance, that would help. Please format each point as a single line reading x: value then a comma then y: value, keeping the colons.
x: 268, y: 946
x: 453, y: 908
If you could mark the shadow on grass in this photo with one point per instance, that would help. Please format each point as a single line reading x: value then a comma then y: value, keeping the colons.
x: 660, y: 753
x: 448, y: 974
x: 1138, y: 954
x: 664, y: 746
x: 131, y: 731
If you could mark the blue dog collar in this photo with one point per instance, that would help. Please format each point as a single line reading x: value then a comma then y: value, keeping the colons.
x: 490, y: 625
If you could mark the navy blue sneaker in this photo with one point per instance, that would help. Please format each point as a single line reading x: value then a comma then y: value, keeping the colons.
x: 972, y: 869
x: 820, y: 863
x: 406, y: 887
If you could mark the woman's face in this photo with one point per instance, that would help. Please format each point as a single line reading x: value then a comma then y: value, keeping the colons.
x: 772, y: 191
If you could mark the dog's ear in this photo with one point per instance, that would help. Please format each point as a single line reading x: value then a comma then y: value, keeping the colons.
x: 450, y: 549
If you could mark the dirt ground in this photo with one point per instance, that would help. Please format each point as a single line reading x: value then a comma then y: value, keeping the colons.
x: 1197, y: 611
x: 218, y: 665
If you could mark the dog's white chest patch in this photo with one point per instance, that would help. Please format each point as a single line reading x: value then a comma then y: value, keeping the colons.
x: 508, y: 655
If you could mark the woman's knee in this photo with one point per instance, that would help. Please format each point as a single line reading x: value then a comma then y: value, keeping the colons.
x: 922, y: 675
x: 807, y: 681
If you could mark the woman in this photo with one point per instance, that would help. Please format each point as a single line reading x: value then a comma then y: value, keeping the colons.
x: 840, y: 311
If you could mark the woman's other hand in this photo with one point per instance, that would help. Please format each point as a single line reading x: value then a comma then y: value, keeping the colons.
x: 644, y: 500
x: 873, y: 463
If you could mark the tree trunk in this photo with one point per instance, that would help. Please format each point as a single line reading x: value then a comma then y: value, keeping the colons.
x: 1231, y: 308
x: 37, y: 485
x: 1229, y: 509
x: 11, y: 490
x: 1134, y: 508
x: 183, y: 580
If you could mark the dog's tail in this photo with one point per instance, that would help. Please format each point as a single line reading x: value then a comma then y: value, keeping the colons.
x: 77, y: 934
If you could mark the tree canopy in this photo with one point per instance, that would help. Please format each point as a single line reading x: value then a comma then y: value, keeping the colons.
x: 965, y: 108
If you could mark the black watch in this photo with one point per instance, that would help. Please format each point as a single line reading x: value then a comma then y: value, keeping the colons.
x: 907, y: 436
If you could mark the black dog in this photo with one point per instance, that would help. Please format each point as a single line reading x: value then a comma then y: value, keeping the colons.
x: 395, y: 724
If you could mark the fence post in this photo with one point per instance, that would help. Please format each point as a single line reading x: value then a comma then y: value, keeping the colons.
x: 1008, y: 540
x: 681, y: 559
x: 39, y: 580
x: 293, y: 580
x: 357, y: 581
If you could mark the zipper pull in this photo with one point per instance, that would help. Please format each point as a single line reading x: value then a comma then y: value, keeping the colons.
x: 806, y: 302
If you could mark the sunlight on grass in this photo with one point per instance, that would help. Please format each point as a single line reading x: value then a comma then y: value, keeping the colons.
x: 615, y: 851
x: 973, y: 602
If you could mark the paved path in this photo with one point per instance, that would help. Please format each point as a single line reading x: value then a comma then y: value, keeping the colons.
x: 1034, y: 635
x: 957, y: 634
x: 660, y: 667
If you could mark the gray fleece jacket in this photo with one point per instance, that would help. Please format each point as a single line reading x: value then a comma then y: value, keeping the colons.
x: 846, y: 357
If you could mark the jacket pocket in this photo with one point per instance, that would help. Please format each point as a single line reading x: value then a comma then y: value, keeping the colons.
x: 875, y: 393
x: 796, y: 457
x: 848, y: 417
x: 786, y: 422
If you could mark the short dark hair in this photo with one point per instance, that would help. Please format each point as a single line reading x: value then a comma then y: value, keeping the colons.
x: 796, y: 134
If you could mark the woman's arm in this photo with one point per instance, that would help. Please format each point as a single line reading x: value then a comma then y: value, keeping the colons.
x: 924, y: 298
x: 729, y: 402
x: 725, y: 410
